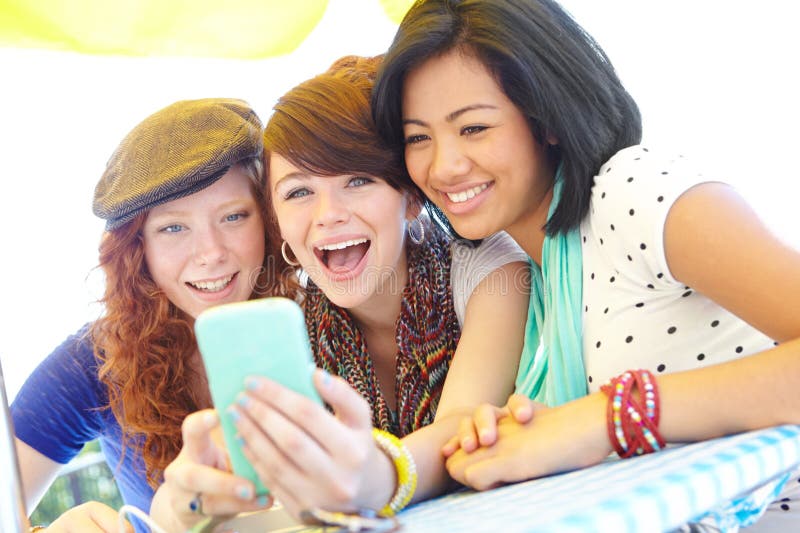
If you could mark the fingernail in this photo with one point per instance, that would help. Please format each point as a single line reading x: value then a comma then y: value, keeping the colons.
x: 210, y: 418
x: 239, y: 439
x: 252, y: 383
x: 243, y: 400
x: 262, y: 500
x: 484, y: 435
x: 467, y: 442
x: 244, y: 492
x: 234, y: 414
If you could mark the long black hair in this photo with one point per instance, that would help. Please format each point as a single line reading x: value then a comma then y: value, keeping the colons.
x: 545, y: 63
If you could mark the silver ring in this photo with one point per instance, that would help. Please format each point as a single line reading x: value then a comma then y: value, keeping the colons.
x: 196, y: 505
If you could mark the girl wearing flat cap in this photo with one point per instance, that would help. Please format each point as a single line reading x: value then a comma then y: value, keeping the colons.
x: 182, y: 197
x: 410, y: 327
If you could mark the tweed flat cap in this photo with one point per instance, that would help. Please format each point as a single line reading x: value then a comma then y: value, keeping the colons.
x: 173, y: 153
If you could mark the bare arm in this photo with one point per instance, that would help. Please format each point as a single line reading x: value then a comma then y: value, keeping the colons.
x: 37, y: 471
x: 483, y: 369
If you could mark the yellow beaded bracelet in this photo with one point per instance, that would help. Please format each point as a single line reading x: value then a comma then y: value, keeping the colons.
x: 406, y: 471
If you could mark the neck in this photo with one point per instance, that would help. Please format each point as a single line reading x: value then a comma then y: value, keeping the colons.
x: 528, y: 231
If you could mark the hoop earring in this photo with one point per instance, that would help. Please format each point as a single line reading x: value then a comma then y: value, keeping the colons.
x: 416, y: 231
x: 286, y: 256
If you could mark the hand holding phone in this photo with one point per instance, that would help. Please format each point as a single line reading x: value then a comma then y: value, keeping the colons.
x: 265, y: 337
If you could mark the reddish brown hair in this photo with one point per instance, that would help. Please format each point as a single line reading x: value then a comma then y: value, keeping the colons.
x: 145, y: 344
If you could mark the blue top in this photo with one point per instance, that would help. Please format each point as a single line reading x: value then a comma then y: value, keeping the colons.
x: 63, y: 405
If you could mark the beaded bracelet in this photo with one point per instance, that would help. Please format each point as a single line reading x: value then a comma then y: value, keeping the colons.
x: 406, y: 471
x: 632, y: 424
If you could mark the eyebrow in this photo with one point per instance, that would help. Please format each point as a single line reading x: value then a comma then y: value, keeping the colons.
x: 450, y: 117
x: 298, y: 175
x: 181, y: 213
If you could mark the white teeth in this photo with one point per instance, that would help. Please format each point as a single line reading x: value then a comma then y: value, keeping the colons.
x: 212, y: 286
x: 463, y: 196
x: 341, y: 245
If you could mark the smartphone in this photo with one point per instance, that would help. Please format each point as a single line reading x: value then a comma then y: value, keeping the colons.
x: 264, y: 337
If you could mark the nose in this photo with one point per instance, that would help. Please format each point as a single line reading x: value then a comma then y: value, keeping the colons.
x: 449, y: 161
x: 209, y: 246
x: 331, y: 209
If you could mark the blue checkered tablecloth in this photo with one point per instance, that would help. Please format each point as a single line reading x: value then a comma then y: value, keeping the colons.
x: 652, y: 493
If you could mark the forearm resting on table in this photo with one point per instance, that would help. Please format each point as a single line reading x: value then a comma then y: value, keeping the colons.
x: 754, y: 392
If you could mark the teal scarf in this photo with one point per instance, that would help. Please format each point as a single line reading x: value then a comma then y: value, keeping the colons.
x: 552, y: 372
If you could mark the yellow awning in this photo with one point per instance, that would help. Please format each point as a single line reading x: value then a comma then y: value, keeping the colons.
x: 249, y: 29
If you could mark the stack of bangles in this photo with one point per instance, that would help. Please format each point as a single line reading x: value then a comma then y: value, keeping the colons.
x: 383, y: 520
x: 632, y: 422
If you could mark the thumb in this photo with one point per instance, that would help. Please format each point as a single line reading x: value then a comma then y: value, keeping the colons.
x: 351, y: 409
x: 196, y: 429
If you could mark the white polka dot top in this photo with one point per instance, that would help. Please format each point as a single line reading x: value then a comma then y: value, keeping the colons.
x: 636, y: 315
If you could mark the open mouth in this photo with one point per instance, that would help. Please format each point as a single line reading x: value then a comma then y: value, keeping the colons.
x: 216, y: 285
x: 342, y: 257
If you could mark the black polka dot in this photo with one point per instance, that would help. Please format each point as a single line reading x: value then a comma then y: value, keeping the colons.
x: 660, y: 199
x: 592, y: 276
x: 603, y: 195
x: 651, y: 286
x: 636, y: 158
x: 598, y: 344
x: 586, y: 309
x: 605, y: 311
x: 612, y: 227
x: 661, y: 367
x: 664, y: 173
x: 630, y: 258
x: 601, y: 241
x: 715, y: 323
x: 645, y: 149
x: 612, y: 279
x: 629, y: 339
x: 701, y: 356
x: 739, y: 349
x: 659, y: 275
x: 785, y: 506
x: 643, y: 246
x: 584, y: 238
x: 630, y: 212
x: 590, y: 379
x: 630, y: 179
x: 640, y: 304
x: 775, y: 343
x: 687, y: 293
x: 608, y: 170
x: 672, y: 329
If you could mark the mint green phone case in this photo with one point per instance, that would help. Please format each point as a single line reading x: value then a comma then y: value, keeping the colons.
x: 265, y: 337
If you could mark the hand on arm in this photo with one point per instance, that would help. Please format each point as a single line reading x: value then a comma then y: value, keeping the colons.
x: 201, y: 468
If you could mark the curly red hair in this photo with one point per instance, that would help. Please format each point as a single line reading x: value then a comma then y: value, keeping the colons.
x: 145, y: 346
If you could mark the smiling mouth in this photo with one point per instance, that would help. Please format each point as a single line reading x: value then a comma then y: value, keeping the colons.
x: 342, y: 257
x: 212, y: 286
x: 463, y: 196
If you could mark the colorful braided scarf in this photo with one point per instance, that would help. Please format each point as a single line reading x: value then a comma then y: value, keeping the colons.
x: 427, y: 335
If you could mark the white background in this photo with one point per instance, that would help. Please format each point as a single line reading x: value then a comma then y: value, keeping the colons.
x: 715, y: 81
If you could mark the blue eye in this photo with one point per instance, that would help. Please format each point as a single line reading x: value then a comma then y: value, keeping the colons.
x: 359, y: 181
x: 235, y: 216
x: 172, y: 228
x: 297, y: 193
